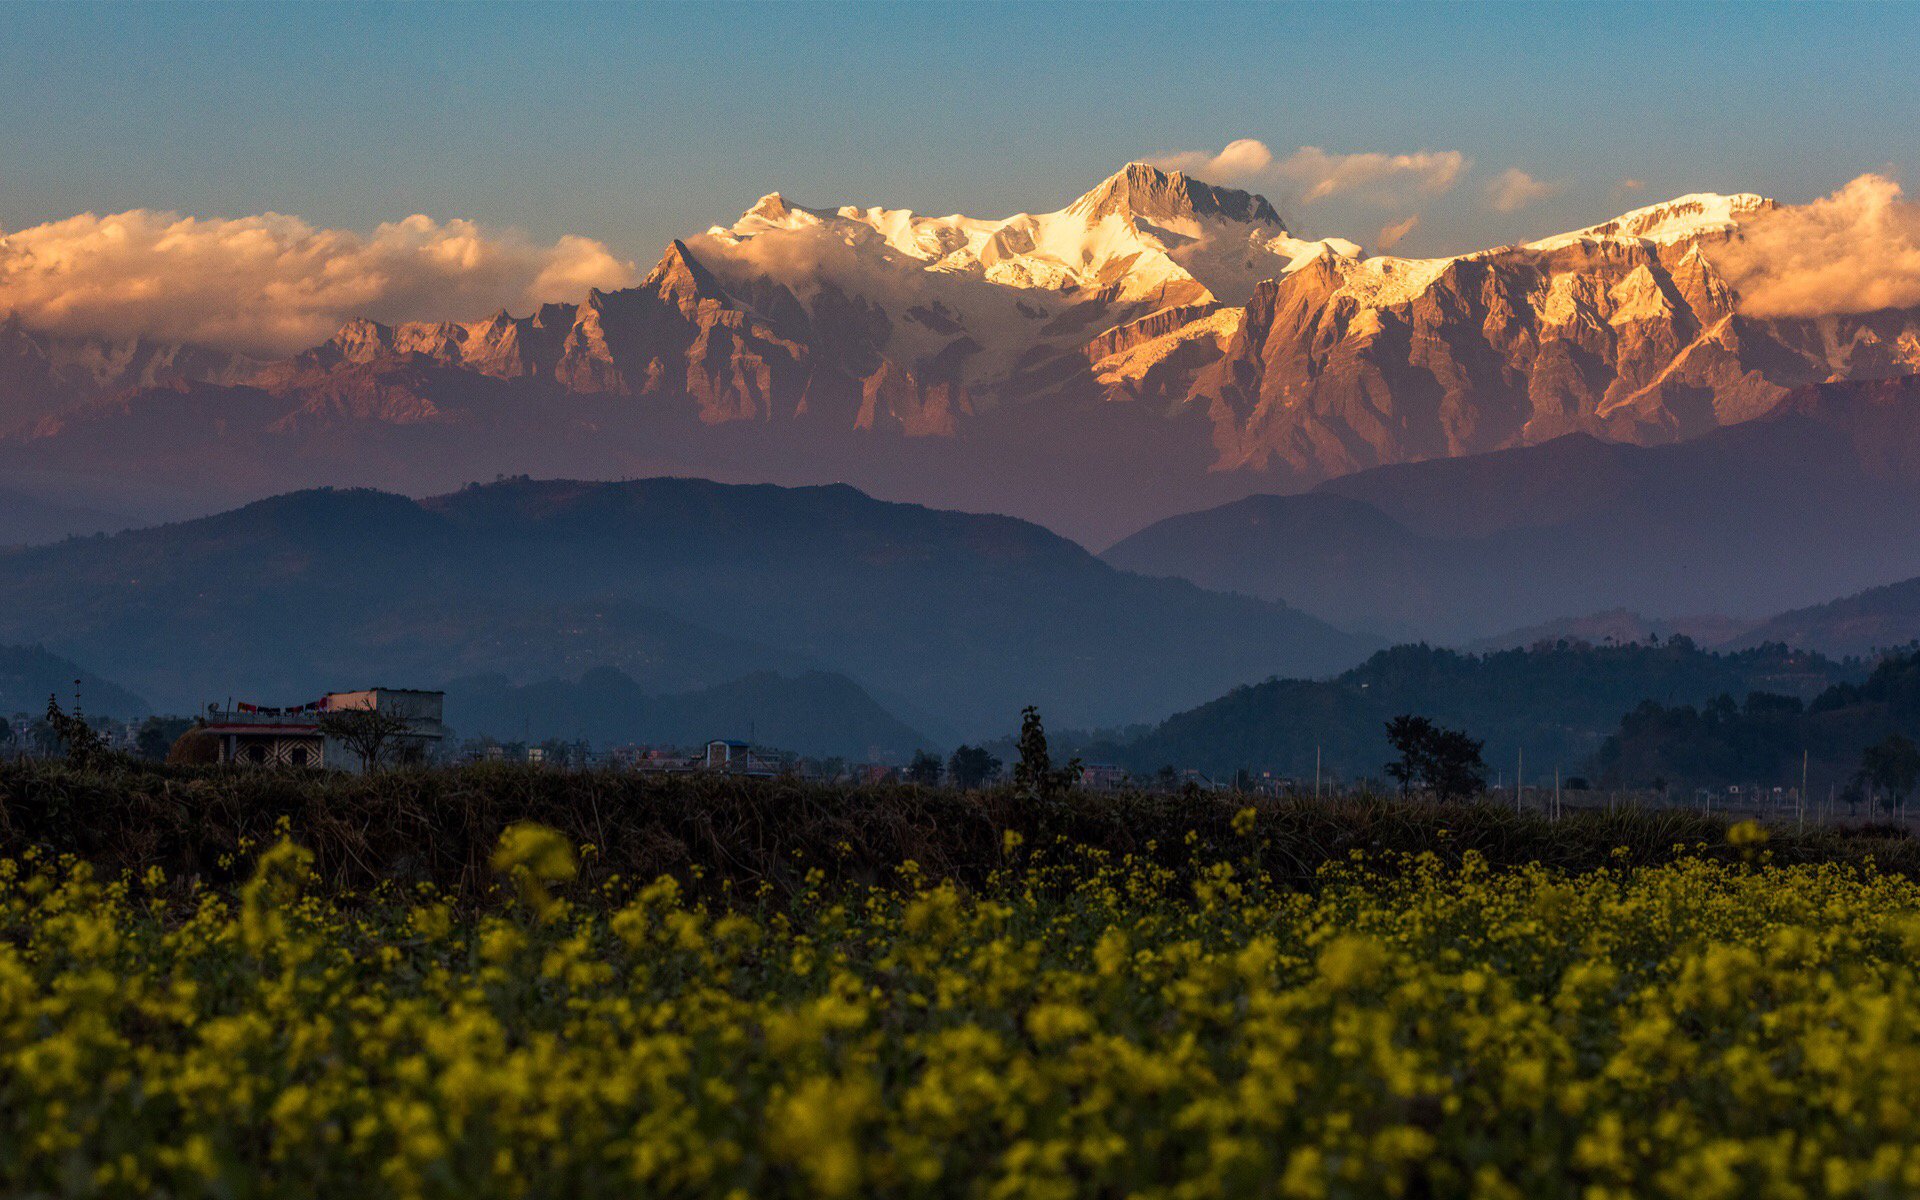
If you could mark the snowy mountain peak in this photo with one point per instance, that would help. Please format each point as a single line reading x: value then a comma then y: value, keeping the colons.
x: 771, y: 208
x: 1683, y: 218
x: 1141, y: 288
x: 1169, y: 197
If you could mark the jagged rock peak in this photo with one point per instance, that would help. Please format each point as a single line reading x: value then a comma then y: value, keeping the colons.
x: 360, y: 337
x: 680, y: 275
x: 1143, y: 190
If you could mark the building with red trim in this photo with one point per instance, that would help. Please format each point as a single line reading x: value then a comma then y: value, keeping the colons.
x: 262, y: 736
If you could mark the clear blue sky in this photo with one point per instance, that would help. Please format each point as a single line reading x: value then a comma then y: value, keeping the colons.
x: 633, y: 124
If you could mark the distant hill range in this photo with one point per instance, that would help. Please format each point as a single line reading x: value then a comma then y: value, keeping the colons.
x: 30, y: 674
x: 1766, y: 739
x: 1156, y: 345
x: 815, y: 713
x: 1557, y: 702
x: 951, y: 621
x: 27, y: 520
x: 1618, y: 627
x: 1821, y: 496
x: 1875, y: 620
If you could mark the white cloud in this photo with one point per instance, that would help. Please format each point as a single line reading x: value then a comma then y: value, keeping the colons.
x: 1390, y: 235
x: 1383, y: 179
x: 1857, y: 250
x: 1632, y: 185
x: 1514, y: 189
x: 1243, y: 158
x: 273, y: 284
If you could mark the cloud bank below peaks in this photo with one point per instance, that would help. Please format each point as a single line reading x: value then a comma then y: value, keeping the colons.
x: 273, y: 284
x: 1857, y: 250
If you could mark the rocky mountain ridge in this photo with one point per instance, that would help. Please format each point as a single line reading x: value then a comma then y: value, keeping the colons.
x: 41, y: 374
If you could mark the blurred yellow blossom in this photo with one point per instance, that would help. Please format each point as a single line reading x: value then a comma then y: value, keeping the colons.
x: 1078, y: 1024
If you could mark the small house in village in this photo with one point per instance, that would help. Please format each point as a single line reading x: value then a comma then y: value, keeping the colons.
x: 741, y: 758
x: 293, y: 736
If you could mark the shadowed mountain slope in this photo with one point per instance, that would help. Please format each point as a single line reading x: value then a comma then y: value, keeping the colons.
x: 27, y: 520
x: 30, y: 674
x: 813, y: 712
x: 679, y: 583
x: 1877, y: 619
x: 1818, y: 497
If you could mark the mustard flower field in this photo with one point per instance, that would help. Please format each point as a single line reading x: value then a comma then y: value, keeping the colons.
x: 1083, y: 1025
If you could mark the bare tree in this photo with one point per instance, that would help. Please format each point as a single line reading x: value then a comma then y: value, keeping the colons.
x: 370, y: 734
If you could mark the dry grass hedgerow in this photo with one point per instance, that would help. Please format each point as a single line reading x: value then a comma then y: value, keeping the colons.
x: 724, y: 834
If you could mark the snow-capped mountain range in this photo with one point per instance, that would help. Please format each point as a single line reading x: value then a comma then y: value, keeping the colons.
x: 1154, y: 320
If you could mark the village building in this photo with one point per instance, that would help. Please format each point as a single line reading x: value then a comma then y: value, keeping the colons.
x: 263, y: 736
x: 741, y: 758
x: 655, y: 760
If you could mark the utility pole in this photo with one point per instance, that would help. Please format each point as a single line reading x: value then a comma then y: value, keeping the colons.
x: 1556, y: 793
x: 1802, y: 805
x: 1519, y: 773
x: 1316, y: 772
